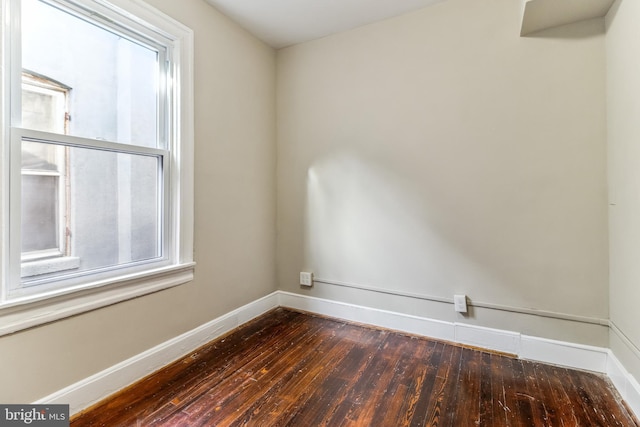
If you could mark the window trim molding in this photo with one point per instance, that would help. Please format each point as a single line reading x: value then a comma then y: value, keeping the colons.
x: 25, y: 312
x: 16, y: 315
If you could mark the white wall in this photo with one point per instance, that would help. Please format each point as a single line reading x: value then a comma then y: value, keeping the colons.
x: 234, y: 216
x: 623, y: 115
x: 439, y: 152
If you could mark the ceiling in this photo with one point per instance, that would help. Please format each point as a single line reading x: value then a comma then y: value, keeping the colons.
x: 282, y: 23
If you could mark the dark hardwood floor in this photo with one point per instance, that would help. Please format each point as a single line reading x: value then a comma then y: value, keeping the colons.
x: 293, y: 369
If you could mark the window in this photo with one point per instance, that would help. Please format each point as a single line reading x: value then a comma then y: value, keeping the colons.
x: 97, y: 142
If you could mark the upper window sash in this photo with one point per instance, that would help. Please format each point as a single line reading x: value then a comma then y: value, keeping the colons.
x: 111, y: 19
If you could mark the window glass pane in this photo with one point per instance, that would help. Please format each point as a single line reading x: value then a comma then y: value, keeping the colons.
x: 113, y: 80
x: 113, y: 210
x: 43, y: 109
x: 41, y: 157
x: 39, y: 213
x: 42, y: 202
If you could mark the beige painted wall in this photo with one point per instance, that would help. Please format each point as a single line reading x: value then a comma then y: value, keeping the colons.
x: 440, y: 153
x: 234, y: 216
x: 623, y: 114
x: 430, y: 154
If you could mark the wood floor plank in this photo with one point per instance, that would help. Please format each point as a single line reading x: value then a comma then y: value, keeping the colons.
x: 539, y: 415
x: 323, y: 403
x: 453, y: 395
x: 382, y: 390
x: 230, y: 378
x: 485, y: 397
x: 510, y: 393
x: 271, y: 407
x: 500, y: 416
x: 466, y: 411
x: 562, y: 378
x: 291, y: 364
x: 430, y: 372
x: 399, y: 405
x: 318, y: 376
x: 358, y: 395
x: 560, y: 407
x: 438, y: 396
x: 154, y: 391
x: 522, y: 397
x: 413, y: 375
x: 601, y: 391
x: 294, y: 369
x: 231, y: 391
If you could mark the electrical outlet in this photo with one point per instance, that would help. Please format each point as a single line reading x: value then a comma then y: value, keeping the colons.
x: 306, y: 278
x: 460, y: 303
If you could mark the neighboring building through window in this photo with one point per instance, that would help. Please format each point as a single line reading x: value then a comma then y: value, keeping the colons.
x: 45, y: 211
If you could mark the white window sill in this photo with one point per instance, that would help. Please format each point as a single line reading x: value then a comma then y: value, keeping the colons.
x: 49, y: 265
x: 19, y: 314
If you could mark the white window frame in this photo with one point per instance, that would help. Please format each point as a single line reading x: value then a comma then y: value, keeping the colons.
x: 95, y: 291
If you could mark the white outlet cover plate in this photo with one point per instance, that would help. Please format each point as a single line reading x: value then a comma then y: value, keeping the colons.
x: 460, y: 303
x: 306, y: 279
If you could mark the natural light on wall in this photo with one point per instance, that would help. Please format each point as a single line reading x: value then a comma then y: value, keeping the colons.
x: 360, y: 215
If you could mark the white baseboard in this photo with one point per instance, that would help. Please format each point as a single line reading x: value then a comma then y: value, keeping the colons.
x: 563, y: 353
x: 95, y: 388
x: 370, y: 316
x: 527, y: 347
x: 489, y: 338
x: 91, y: 390
x: 626, y: 384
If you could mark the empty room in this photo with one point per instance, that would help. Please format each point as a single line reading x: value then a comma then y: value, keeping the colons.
x: 305, y: 213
